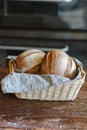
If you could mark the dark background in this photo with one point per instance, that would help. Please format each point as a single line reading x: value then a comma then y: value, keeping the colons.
x: 43, y: 24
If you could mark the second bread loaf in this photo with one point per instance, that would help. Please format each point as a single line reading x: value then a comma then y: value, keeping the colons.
x: 59, y: 63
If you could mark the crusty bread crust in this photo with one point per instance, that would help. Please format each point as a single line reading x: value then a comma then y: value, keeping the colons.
x: 58, y: 62
x: 54, y: 62
x: 28, y: 59
x: 27, y: 53
x: 34, y: 70
x: 73, y: 70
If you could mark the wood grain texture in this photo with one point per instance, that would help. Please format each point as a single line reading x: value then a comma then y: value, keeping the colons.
x: 17, y: 114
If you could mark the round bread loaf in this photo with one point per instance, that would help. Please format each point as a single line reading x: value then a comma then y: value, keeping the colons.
x: 29, y: 61
x: 59, y: 63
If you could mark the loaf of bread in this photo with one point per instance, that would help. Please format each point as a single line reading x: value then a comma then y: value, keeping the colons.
x: 54, y: 62
x: 59, y: 63
x: 29, y: 61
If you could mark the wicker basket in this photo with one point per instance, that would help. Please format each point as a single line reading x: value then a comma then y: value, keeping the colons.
x: 65, y: 92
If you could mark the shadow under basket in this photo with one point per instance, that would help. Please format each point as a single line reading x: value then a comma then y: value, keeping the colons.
x: 65, y: 92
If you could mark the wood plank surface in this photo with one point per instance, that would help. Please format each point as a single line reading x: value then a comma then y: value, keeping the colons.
x: 19, y: 114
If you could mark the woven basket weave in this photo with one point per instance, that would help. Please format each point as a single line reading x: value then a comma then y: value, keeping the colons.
x: 64, y: 92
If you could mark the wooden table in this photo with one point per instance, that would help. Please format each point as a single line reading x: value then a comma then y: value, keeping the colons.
x: 16, y: 114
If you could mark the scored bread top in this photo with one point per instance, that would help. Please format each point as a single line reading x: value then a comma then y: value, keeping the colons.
x: 27, y: 53
x: 28, y: 59
x: 58, y: 62
x: 55, y: 62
